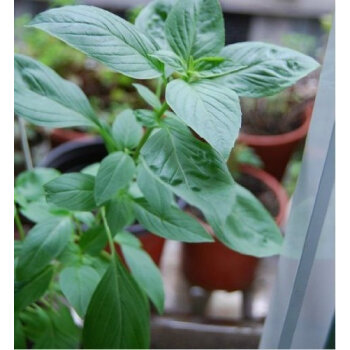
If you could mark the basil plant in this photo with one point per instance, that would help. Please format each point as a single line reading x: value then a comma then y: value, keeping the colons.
x: 153, y: 159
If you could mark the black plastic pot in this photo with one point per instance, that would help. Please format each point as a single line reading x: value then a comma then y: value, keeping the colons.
x: 75, y: 155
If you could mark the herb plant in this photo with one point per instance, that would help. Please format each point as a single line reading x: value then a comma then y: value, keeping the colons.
x: 153, y: 157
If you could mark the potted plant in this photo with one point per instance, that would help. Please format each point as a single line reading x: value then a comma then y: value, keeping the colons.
x: 182, y: 45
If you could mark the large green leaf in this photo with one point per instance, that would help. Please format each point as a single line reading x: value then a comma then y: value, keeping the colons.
x: 116, y: 172
x: 171, y: 223
x: 74, y: 191
x: 118, y: 314
x: 51, y: 329
x: 78, y: 283
x: 151, y: 20
x: 104, y: 37
x: 269, y: 68
x: 44, y: 98
x: 146, y: 273
x: 211, y: 110
x: 195, y: 28
x: 127, y: 132
x: 44, y: 242
x: 191, y: 168
x: 250, y: 229
x: 193, y: 171
x: 30, y: 291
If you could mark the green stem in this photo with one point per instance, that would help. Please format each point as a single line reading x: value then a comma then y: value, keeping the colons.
x: 108, y: 231
x: 19, y: 225
x: 161, y: 111
x: 159, y: 87
x: 145, y: 137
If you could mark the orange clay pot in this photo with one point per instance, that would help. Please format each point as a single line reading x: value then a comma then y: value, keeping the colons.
x: 276, y: 150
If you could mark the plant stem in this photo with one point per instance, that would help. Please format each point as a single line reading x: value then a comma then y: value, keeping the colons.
x: 107, y: 139
x: 108, y: 231
x: 25, y: 144
x: 145, y: 137
x: 159, y: 87
x: 19, y: 225
x: 161, y: 111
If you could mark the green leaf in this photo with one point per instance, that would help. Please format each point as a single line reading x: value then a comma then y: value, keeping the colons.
x: 93, y: 240
x: 119, y: 213
x: 126, y: 131
x: 78, y: 283
x: 195, y: 28
x: 84, y: 217
x: 29, y: 184
x: 253, y: 230
x: 170, y: 59
x: 126, y: 238
x: 43, y: 98
x: 118, y: 314
x: 170, y: 223
x: 146, y: 274
x: 154, y: 190
x: 74, y: 191
x: 51, y: 329
x: 102, y: 36
x: 116, y: 172
x: 41, y: 211
x: 44, y: 242
x: 211, y: 110
x: 269, y: 68
x: 211, y: 67
x: 145, y: 117
x: 19, y: 336
x: 148, y: 96
x: 151, y: 21
x: 91, y: 169
x: 171, y: 154
x: 71, y: 254
x: 30, y: 291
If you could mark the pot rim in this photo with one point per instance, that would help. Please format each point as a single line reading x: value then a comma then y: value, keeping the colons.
x: 288, y: 137
x: 70, y: 134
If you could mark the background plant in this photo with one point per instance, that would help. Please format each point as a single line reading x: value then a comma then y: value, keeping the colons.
x: 153, y: 157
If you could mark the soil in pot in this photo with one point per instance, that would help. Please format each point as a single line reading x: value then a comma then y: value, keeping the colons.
x: 275, y: 138
x: 213, y: 266
x: 262, y: 121
x: 76, y: 155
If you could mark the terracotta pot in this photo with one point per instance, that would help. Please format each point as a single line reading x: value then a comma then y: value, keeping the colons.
x: 276, y: 150
x: 60, y: 136
x: 213, y: 266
